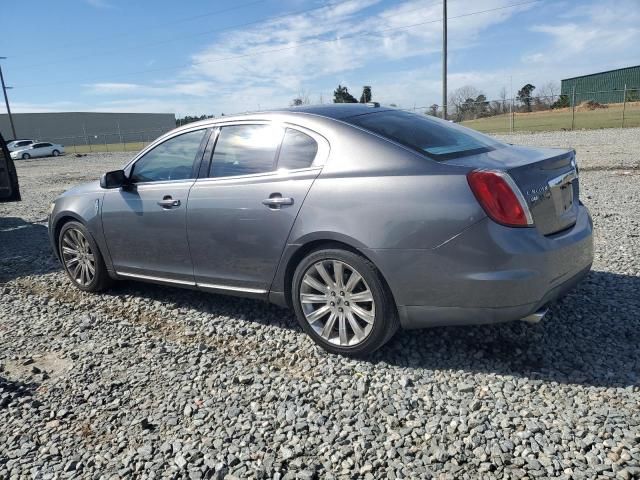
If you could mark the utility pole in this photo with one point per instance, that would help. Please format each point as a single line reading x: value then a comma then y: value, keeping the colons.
x: 444, y: 59
x: 6, y: 101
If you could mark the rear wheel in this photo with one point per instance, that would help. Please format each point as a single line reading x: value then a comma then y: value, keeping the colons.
x: 342, y: 302
x: 55, y: 153
x: 25, y: 156
x: 81, y: 258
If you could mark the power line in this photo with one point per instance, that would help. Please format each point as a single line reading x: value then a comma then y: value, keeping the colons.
x: 180, y: 38
x: 295, y: 46
x: 137, y: 31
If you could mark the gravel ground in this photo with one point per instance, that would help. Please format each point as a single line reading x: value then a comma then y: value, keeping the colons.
x: 147, y: 381
x: 596, y: 149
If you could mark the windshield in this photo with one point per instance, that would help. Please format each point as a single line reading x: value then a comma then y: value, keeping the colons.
x: 440, y: 140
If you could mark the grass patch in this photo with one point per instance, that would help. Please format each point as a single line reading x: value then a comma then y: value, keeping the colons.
x: 109, y: 147
x: 551, y: 120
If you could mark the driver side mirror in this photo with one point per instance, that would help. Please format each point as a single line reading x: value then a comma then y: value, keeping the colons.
x: 114, y: 179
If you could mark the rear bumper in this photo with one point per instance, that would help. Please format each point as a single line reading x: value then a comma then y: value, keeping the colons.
x: 486, y: 274
x: 421, y: 316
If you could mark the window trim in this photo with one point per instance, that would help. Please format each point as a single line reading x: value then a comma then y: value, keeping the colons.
x: 128, y: 169
x: 318, y: 162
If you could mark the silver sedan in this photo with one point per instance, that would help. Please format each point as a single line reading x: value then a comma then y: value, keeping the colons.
x: 38, y: 149
x: 362, y: 219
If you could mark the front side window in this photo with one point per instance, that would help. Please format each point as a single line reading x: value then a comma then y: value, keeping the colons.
x: 440, y: 140
x: 298, y: 150
x: 171, y: 160
x: 245, y: 150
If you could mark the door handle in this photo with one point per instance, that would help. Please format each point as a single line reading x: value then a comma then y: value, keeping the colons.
x: 168, y: 202
x: 277, y: 201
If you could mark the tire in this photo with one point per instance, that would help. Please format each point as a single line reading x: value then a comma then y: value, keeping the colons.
x: 26, y: 156
x: 74, y: 236
x: 336, y: 305
x: 55, y: 153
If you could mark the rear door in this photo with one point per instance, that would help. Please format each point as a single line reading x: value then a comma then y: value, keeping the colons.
x: 9, y: 189
x: 241, y: 210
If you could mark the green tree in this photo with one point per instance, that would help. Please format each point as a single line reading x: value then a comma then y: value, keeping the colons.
x: 366, y: 94
x: 524, y: 95
x: 562, y: 102
x: 342, y: 95
x: 189, y: 119
x: 481, y: 105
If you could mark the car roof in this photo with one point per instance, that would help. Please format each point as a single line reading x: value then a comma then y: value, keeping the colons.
x: 335, y: 111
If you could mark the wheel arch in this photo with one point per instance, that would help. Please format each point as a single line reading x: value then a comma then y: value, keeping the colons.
x: 60, y: 222
x: 282, y: 295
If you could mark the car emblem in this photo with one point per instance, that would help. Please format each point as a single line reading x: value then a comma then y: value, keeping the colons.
x: 537, y: 193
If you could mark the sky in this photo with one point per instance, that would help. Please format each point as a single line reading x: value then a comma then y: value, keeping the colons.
x: 228, y: 56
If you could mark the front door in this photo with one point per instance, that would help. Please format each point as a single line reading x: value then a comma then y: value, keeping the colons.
x: 240, y: 216
x: 145, y: 222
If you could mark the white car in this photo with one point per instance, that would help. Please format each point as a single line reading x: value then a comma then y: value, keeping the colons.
x: 19, y: 144
x: 39, y: 149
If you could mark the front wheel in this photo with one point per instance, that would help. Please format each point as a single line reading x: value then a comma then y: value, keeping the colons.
x: 81, y: 258
x: 25, y: 156
x: 342, y: 303
x: 55, y: 153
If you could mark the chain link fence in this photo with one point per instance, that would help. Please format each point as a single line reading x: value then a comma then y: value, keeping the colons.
x: 107, y: 141
x: 578, y: 110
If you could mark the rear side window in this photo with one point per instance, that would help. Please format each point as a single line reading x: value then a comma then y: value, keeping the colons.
x: 298, y: 150
x: 245, y: 150
x: 439, y: 139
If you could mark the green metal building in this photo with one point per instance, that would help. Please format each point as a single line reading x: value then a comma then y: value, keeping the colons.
x: 603, y: 87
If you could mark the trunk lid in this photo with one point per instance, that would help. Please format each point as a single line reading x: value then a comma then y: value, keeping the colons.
x: 546, y: 177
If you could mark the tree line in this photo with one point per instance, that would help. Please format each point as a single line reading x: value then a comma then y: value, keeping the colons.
x: 467, y: 102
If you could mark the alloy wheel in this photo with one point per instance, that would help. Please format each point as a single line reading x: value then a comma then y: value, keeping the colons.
x: 337, y: 303
x: 78, y: 257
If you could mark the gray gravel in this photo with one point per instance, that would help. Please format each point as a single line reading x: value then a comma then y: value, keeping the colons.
x: 151, y: 381
x: 596, y: 149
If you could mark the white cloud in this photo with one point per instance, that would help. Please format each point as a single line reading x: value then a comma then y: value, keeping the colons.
x: 293, y: 51
x: 593, y: 35
x: 267, y: 65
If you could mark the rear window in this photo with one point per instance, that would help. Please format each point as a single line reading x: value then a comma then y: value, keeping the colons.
x: 438, y: 139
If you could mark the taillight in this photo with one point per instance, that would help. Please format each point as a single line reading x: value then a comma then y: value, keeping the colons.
x: 500, y: 197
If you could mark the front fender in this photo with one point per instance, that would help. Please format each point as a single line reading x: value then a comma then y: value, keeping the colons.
x: 86, y: 209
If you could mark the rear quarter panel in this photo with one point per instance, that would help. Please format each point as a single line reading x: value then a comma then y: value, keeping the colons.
x: 375, y: 196
x: 386, y: 197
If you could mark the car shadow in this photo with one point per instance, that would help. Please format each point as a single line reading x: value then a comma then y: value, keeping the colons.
x: 589, y: 337
x: 24, y: 249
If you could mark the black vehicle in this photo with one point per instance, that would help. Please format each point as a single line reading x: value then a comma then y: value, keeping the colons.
x: 9, y: 188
